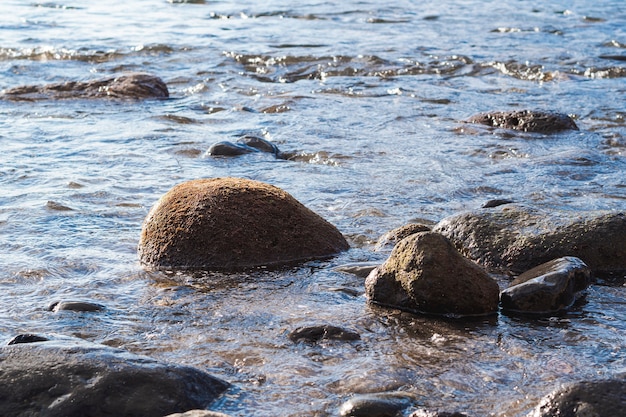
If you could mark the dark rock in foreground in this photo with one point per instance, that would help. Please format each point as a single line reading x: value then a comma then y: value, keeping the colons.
x: 323, y: 332
x: 426, y: 274
x: 547, y: 288
x: 233, y: 223
x: 526, y: 120
x: 74, y: 378
x: 513, y: 238
x: 386, y: 404
x: 585, y: 399
x: 133, y: 86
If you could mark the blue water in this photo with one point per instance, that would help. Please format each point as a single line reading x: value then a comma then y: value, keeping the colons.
x: 371, y: 98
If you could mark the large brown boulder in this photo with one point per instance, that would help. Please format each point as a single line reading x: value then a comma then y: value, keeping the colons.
x: 134, y: 86
x: 526, y: 121
x: 233, y: 223
x: 514, y: 238
x: 606, y: 398
x: 426, y: 274
x: 74, y: 378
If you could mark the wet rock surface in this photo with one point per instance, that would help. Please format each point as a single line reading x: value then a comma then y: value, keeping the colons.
x: 389, y: 239
x: 526, y: 120
x: 198, y: 413
x: 313, y: 334
x: 84, y: 306
x: 430, y: 413
x: 233, y: 223
x: 244, y: 145
x: 70, y: 377
x: 583, y: 399
x: 426, y: 274
x: 133, y: 86
x: 387, y: 404
x: 514, y: 238
x: 547, y: 288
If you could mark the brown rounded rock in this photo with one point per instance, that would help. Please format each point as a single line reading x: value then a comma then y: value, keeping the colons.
x: 233, y: 223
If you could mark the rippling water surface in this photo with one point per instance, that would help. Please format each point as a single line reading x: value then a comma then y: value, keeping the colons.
x: 370, y: 98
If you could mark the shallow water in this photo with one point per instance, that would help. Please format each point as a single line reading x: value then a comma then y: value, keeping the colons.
x: 371, y: 98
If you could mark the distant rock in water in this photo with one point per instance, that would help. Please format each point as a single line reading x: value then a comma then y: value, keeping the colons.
x: 82, y: 306
x: 322, y: 332
x: 133, y: 86
x: 526, y: 120
x: 244, y: 145
x: 233, y: 223
x: 73, y: 378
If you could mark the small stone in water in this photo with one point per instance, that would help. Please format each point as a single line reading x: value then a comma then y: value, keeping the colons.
x: 323, y: 332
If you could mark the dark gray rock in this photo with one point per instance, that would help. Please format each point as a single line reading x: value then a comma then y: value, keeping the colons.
x: 513, y: 238
x: 547, y: 288
x: 389, y: 239
x: 133, y: 86
x: 426, y: 274
x: 430, y: 413
x: 322, y: 332
x: 585, y: 399
x: 199, y: 413
x: 386, y: 404
x: 84, y: 306
x: 244, y: 145
x: 496, y: 202
x: 73, y: 378
x: 526, y: 120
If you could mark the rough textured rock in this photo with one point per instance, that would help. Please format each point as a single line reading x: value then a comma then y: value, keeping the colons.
x: 389, y: 239
x: 585, y: 399
x: 233, y: 223
x: 322, y: 332
x: 386, y: 404
x: 134, y: 86
x: 526, y: 120
x: 74, y: 378
x: 513, y: 238
x: 426, y: 274
x: 547, y: 288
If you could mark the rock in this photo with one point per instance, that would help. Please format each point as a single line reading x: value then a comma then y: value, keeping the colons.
x: 389, y: 239
x: 426, y: 274
x: 314, y: 334
x: 73, y: 378
x: 526, y: 120
x: 27, y: 338
x: 605, y: 398
x: 387, y: 404
x: 513, y: 238
x: 75, y: 306
x: 198, y: 413
x: 244, y: 145
x: 497, y: 202
x: 360, y: 269
x: 133, y: 86
x: 233, y: 223
x: 547, y: 288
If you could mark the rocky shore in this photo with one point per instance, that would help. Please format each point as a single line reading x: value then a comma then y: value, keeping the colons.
x: 235, y: 224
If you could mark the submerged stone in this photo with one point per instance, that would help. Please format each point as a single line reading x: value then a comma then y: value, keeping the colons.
x: 74, y: 378
x: 233, y: 223
x: 323, y: 332
x: 526, y: 120
x: 134, y: 86
x: 386, y: 404
x: 244, y: 145
x: 426, y: 274
x: 84, y: 306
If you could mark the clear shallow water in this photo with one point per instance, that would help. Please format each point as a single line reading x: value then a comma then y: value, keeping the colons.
x: 371, y: 98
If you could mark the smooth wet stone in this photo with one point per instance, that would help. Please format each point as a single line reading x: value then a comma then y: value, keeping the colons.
x: 360, y: 269
x: 233, y: 223
x: 134, y: 86
x: 199, y: 413
x: 605, y: 398
x: 387, y: 404
x: 526, y: 120
x: 244, y: 145
x: 430, y: 413
x: 514, y: 238
x: 74, y: 378
x: 315, y: 334
x: 84, y: 306
x: 496, y: 202
x: 27, y: 338
x: 426, y: 274
x: 547, y: 288
x: 389, y: 239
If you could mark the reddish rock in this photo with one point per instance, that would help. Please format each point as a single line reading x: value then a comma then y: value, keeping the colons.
x: 233, y: 223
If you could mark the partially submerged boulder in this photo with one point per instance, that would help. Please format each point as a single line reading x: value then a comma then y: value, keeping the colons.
x: 233, y: 223
x: 526, y: 121
x: 133, y: 86
x: 244, y: 145
x: 513, y: 238
x: 605, y: 398
x: 426, y: 274
x: 547, y: 288
x: 74, y: 378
